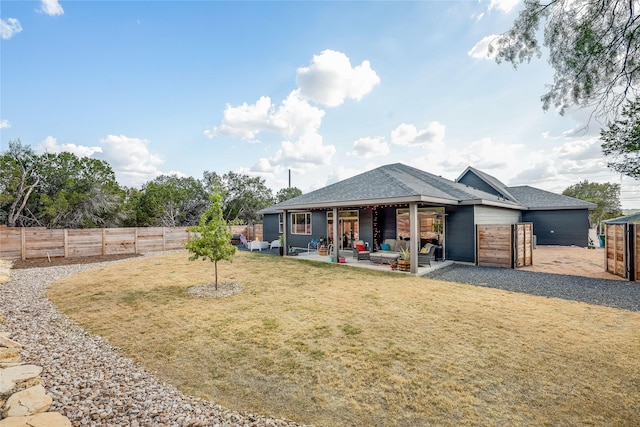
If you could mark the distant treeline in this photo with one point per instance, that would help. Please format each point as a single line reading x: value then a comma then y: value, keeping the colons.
x: 66, y: 191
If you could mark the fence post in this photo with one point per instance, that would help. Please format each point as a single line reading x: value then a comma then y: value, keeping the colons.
x: 164, y: 239
x: 23, y: 245
x: 65, y: 235
x: 135, y: 241
x: 104, y: 241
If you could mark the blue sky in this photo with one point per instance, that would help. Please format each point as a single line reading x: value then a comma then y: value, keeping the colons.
x: 326, y: 89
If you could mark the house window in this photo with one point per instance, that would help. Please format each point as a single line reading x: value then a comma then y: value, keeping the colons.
x: 281, y: 223
x: 301, y: 223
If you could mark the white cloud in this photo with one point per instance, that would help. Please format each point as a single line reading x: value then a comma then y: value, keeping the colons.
x: 294, y: 117
x: 130, y: 159
x: 308, y: 152
x: 51, y: 7
x: 409, y: 135
x: 4, y: 124
x: 581, y: 149
x: 505, y: 6
x: 50, y: 145
x: 481, y: 49
x: 9, y: 27
x: 330, y: 79
x: 370, y: 147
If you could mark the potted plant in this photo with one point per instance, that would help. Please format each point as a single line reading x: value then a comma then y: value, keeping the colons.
x: 404, y: 263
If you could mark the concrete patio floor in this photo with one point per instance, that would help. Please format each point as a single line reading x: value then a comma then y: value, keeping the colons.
x: 351, y: 262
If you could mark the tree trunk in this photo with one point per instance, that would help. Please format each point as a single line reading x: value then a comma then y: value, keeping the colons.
x: 215, y: 267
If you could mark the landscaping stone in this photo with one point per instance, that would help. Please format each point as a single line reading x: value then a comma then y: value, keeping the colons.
x: 27, y: 402
x: 9, y: 355
x: 10, y: 376
x: 44, y: 419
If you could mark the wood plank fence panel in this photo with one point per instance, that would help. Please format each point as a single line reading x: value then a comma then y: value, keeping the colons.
x: 11, y: 243
x: 119, y: 241
x: 43, y: 243
x: 636, y: 252
x: 84, y: 242
x: 150, y: 239
x: 176, y: 238
x: 30, y: 243
x: 494, y: 245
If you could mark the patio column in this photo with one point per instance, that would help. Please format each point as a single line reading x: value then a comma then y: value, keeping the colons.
x: 414, y: 232
x: 336, y: 236
x: 284, y: 232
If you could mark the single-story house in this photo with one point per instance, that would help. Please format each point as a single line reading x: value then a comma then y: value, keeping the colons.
x: 627, y: 219
x: 399, y: 201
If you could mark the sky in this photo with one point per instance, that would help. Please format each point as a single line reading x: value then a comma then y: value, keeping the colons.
x: 326, y: 90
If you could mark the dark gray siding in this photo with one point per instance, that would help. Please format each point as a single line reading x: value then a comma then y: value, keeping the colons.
x: 270, y: 224
x: 459, y: 234
x: 560, y: 227
x: 318, y: 230
x: 472, y: 180
x: 387, y: 223
x: 365, y: 224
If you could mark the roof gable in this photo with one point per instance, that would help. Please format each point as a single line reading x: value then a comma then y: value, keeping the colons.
x: 471, y: 176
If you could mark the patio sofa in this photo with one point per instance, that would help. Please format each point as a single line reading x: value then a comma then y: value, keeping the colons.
x: 390, y: 252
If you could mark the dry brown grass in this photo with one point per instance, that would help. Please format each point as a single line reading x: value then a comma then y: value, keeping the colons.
x: 334, y: 345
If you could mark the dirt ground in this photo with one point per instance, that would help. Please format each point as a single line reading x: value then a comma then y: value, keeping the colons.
x: 44, y: 262
x: 570, y: 260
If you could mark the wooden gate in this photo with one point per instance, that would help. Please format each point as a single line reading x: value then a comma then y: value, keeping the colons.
x: 616, y: 249
x: 622, y: 250
x: 504, y: 245
x: 523, y: 245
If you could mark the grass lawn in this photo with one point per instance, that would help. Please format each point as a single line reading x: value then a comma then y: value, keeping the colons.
x: 334, y: 345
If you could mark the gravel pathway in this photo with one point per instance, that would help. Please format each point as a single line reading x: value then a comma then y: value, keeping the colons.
x: 611, y: 293
x: 89, y: 381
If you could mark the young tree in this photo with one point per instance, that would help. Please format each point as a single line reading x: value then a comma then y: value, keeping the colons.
x: 605, y: 195
x: 213, y: 238
x: 594, y: 50
x: 621, y: 142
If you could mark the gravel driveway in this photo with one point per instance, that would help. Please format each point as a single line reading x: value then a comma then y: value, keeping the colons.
x: 611, y: 293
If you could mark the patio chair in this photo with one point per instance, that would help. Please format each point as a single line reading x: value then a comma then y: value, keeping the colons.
x: 359, y: 251
x: 313, y: 245
x: 426, y: 256
x: 244, y: 241
x: 275, y: 244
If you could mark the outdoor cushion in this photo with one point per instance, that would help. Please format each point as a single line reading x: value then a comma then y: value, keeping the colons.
x: 360, y: 247
x: 385, y: 247
x: 423, y: 250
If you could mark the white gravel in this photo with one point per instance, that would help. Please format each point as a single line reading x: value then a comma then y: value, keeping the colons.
x: 89, y: 381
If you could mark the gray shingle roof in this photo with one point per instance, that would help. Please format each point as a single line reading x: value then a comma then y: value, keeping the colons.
x: 534, y: 198
x: 628, y: 219
x: 391, y: 183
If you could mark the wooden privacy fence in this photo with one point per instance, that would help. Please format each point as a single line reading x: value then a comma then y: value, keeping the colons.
x: 504, y: 245
x: 622, y: 250
x: 30, y: 243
